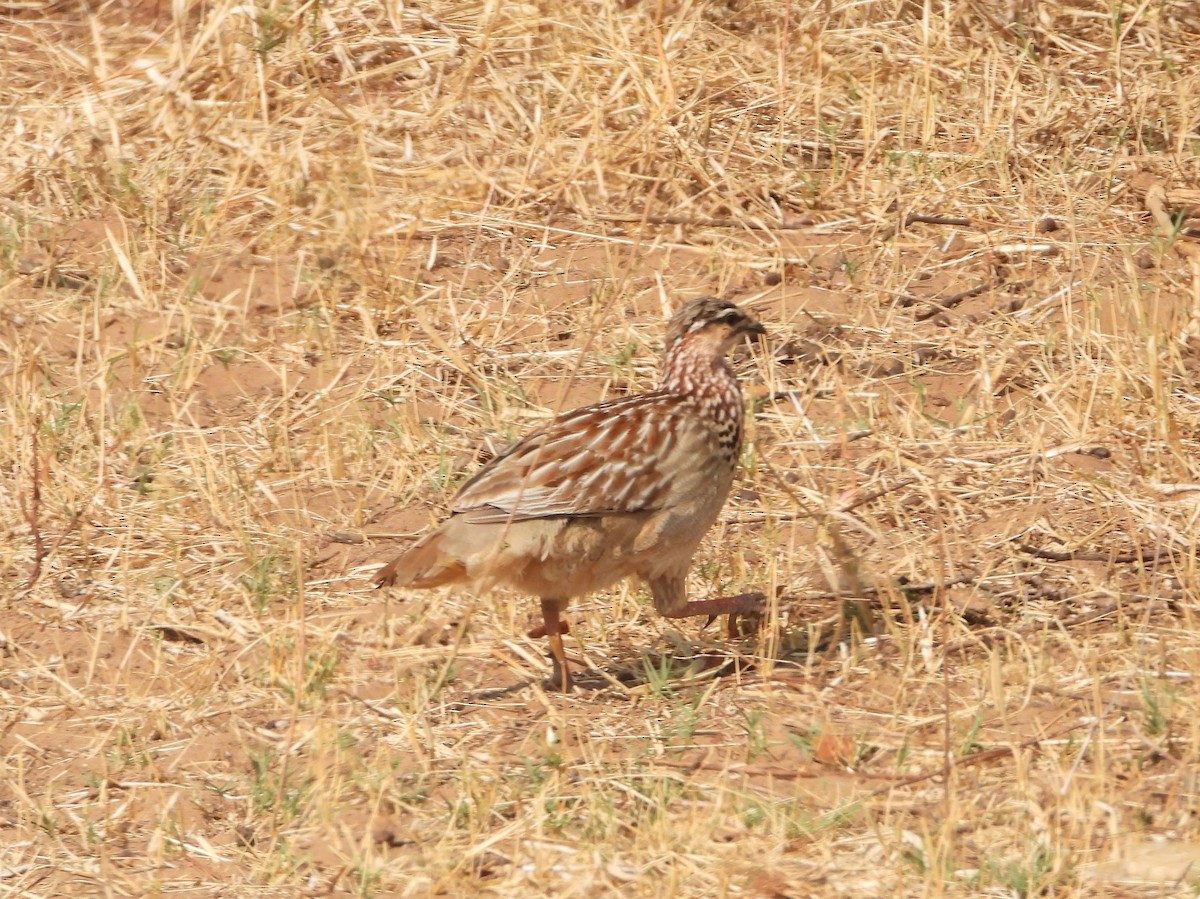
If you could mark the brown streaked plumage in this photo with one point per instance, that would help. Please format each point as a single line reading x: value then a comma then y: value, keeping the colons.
x: 622, y: 488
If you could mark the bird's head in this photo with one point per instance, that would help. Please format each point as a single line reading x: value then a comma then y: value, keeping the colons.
x: 714, y: 324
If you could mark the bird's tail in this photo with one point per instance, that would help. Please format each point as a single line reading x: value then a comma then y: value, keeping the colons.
x: 425, y: 564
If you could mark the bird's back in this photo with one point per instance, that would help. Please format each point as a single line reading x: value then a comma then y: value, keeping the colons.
x: 599, y: 494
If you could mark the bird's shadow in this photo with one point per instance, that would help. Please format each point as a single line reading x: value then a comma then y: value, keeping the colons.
x: 689, y: 662
x: 686, y: 663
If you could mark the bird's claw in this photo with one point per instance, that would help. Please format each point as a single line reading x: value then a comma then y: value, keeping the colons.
x: 754, y: 610
x: 560, y: 677
x: 749, y: 620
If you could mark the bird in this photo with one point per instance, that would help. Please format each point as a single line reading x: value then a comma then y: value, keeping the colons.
x: 623, y: 488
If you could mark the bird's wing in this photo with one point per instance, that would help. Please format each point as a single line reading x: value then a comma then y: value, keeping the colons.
x: 596, y: 460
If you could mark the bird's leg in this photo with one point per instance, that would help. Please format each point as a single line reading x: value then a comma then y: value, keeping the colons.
x: 539, y: 630
x: 670, y: 601
x: 554, y: 628
x: 741, y: 604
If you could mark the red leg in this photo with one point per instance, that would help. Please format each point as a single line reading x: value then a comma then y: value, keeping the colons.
x: 554, y: 629
x: 670, y: 600
x: 539, y: 630
x: 742, y: 604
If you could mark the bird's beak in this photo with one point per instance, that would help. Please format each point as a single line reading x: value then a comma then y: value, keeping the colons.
x: 751, y: 328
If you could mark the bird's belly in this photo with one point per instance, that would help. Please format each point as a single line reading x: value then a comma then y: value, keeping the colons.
x: 568, y: 557
x: 574, y: 556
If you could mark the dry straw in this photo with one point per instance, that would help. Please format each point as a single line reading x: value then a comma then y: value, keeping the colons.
x: 274, y: 278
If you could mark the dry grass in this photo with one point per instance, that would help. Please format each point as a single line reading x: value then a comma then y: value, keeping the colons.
x: 268, y: 273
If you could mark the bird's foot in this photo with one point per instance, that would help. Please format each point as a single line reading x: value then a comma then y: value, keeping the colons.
x: 744, y: 624
x: 746, y: 612
x: 553, y: 627
x: 560, y: 675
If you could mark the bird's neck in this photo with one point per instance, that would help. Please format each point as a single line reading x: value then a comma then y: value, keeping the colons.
x: 709, y: 384
x: 692, y: 368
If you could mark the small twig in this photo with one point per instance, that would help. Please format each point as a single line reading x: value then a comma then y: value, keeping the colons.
x: 914, y: 217
x: 926, y: 218
x: 938, y: 306
x: 32, y: 508
x: 1051, y: 555
x: 797, y: 224
x: 1104, y: 611
x: 871, y: 495
x: 945, y: 305
x: 927, y: 587
x: 1028, y: 311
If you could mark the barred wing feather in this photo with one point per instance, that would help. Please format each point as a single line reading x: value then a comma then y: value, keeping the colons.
x: 597, y: 460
